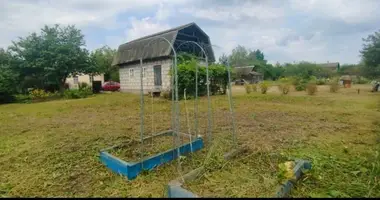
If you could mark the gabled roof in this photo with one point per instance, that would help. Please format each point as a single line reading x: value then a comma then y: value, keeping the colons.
x: 244, y: 70
x: 152, y: 46
x: 329, y: 65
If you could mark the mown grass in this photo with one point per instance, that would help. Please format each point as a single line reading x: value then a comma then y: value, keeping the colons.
x: 51, y: 149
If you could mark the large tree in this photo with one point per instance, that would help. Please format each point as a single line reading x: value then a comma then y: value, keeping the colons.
x: 53, y: 54
x: 102, y: 59
x: 371, y: 55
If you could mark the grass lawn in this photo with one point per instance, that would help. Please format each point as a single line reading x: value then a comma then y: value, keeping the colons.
x: 51, y: 149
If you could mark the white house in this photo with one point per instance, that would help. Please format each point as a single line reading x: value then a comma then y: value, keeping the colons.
x: 157, y: 57
x: 73, y: 81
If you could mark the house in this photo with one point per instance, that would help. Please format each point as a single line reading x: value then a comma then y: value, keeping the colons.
x: 248, y: 74
x: 157, y: 57
x: 73, y: 81
x: 334, y: 66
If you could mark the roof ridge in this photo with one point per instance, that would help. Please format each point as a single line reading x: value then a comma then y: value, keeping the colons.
x: 162, y: 32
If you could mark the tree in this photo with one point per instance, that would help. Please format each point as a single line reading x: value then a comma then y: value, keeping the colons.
x: 223, y: 59
x: 102, y: 59
x: 239, y: 57
x: 371, y: 55
x: 53, y: 54
x: 8, y: 78
x: 259, y: 55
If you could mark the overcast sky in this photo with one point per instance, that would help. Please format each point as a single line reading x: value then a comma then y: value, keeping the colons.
x: 286, y: 30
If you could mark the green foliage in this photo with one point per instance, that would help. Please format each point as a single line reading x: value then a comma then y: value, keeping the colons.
x: 102, y: 59
x: 187, y: 75
x: 78, y: 93
x: 371, y: 55
x: 82, y: 85
x: 8, y: 84
x: 248, y: 88
x: 321, y: 81
x: 254, y: 87
x: 360, y: 80
x: 311, y: 88
x: 334, y: 85
x: 52, y: 55
x: 299, y: 83
x: 284, y: 85
x: 264, y: 85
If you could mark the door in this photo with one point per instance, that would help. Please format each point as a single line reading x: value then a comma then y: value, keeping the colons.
x: 157, y: 75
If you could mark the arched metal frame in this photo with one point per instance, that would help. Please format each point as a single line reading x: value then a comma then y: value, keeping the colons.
x: 175, y: 105
x: 230, y: 101
x: 209, y: 125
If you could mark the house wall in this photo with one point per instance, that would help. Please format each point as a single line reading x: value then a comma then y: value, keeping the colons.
x: 83, y: 78
x: 129, y: 83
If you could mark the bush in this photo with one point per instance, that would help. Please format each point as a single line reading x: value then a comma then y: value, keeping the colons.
x: 38, y: 94
x: 264, y: 87
x: 22, y: 98
x: 321, y: 81
x: 299, y: 83
x: 82, y: 85
x: 360, y: 80
x: 78, y: 93
x: 334, y: 86
x: 248, y: 88
x: 284, y: 85
x: 311, y: 88
x: 254, y: 87
x: 218, y: 78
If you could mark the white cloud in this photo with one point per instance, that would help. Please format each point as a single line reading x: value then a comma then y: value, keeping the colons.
x: 144, y: 27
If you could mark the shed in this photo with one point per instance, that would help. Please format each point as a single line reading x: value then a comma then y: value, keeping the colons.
x: 247, y: 74
x: 346, y: 81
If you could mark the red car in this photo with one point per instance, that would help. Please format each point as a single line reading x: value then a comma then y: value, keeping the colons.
x: 111, y: 86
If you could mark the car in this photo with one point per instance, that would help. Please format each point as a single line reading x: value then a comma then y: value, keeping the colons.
x: 111, y: 86
x: 239, y: 82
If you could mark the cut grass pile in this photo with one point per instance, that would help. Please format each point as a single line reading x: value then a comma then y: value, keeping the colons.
x: 51, y: 149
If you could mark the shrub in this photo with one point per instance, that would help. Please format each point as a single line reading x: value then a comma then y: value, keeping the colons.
x: 299, y: 83
x: 264, y: 87
x: 254, y: 87
x: 39, y: 94
x: 334, y: 85
x: 311, y: 88
x: 321, y: 81
x: 360, y: 80
x: 82, y: 85
x: 284, y: 85
x: 248, y: 88
x: 22, y: 98
x: 78, y: 93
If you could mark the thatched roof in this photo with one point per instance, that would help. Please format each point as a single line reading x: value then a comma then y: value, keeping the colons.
x: 255, y: 73
x: 153, y: 46
x: 243, y: 70
x: 330, y: 65
x: 247, y: 70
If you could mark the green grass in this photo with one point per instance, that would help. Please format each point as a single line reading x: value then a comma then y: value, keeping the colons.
x: 51, y: 149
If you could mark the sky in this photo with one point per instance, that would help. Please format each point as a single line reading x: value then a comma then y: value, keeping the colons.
x: 285, y: 30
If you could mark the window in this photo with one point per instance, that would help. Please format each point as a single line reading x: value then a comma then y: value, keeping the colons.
x: 91, y: 79
x: 76, y: 81
x: 144, y: 71
x: 131, y: 74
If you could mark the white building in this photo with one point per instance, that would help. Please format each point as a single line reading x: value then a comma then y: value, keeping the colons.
x: 157, y: 57
x: 73, y: 81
